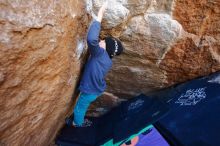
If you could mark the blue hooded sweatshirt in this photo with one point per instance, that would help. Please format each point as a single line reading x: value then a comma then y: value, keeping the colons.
x: 98, y: 64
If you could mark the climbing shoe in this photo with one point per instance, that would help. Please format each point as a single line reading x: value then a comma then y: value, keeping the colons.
x: 87, y: 123
x: 69, y: 120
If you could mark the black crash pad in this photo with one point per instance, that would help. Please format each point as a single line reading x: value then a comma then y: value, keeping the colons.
x: 123, y: 121
x: 194, y: 117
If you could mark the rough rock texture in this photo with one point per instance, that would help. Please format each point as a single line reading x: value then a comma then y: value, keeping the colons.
x: 41, y: 43
x: 198, y: 52
x: 103, y: 104
x: 41, y: 52
x: 166, y: 42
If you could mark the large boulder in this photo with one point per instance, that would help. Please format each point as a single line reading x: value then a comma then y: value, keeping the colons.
x: 41, y: 47
x: 42, y: 51
x: 166, y: 42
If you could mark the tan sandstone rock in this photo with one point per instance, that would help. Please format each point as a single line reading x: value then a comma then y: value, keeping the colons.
x: 166, y: 42
x: 198, y: 52
x: 41, y: 47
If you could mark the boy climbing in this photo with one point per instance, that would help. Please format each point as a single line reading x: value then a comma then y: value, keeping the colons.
x: 92, y: 83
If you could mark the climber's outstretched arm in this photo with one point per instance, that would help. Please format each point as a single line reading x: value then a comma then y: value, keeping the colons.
x: 101, y: 12
x: 93, y: 33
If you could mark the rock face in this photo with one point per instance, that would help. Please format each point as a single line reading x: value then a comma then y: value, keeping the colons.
x: 197, y: 53
x: 103, y: 104
x: 42, y: 47
x: 166, y: 42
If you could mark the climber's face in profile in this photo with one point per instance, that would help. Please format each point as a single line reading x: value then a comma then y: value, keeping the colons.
x: 102, y: 44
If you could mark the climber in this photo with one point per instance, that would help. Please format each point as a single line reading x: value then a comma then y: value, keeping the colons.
x: 92, y: 83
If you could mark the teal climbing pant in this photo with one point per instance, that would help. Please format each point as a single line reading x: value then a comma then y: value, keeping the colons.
x: 81, y: 107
